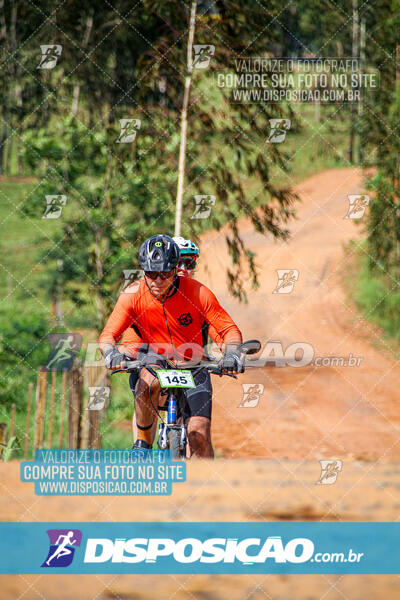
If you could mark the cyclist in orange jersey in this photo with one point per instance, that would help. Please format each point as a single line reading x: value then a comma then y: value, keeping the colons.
x: 168, y: 313
x: 131, y: 340
x: 189, y: 254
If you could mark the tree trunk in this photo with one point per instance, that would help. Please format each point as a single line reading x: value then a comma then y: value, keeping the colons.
x: 18, y: 99
x: 59, y: 310
x: 3, y: 134
x: 361, y: 101
x: 4, y: 45
x: 46, y: 74
x: 186, y: 95
x: 350, y: 151
x: 85, y: 41
x: 99, y: 272
x: 13, y: 90
x: 362, y: 60
x: 56, y: 307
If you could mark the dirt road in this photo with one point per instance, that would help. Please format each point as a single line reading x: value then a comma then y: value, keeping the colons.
x: 314, y: 411
x: 305, y: 414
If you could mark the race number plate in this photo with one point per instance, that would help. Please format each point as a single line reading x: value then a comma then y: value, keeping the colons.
x: 171, y: 378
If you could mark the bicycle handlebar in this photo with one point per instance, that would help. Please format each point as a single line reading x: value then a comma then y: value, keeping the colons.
x: 250, y: 347
x: 135, y: 365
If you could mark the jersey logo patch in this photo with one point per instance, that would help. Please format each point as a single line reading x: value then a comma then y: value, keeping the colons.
x: 185, y: 319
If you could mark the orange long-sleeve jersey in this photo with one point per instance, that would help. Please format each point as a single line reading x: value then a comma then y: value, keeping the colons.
x: 131, y: 340
x: 173, y: 327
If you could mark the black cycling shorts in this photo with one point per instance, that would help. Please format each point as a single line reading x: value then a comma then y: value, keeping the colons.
x: 199, y: 399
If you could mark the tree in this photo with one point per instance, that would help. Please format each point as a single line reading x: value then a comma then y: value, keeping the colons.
x: 227, y: 143
x: 120, y: 193
x: 382, y: 134
x: 114, y: 197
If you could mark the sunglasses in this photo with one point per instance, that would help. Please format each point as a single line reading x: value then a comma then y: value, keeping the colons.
x: 188, y: 263
x: 162, y: 274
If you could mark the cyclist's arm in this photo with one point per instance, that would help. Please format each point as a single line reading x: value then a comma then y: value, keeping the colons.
x: 222, y: 324
x: 120, y: 319
x: 215, y: 336
x: 131, y: 342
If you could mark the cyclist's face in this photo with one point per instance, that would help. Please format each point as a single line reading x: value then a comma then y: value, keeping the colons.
x: 160, y: 286
x: 186, y: 266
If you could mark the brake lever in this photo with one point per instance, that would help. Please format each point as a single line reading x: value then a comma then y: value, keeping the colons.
x: 113, y: 371
x: 151, y: 370
x: 221, y: 374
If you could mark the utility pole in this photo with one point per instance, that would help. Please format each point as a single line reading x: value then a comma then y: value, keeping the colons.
x: 186, y: 95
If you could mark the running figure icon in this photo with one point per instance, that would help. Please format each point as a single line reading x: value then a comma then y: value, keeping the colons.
x: 63, y: 543
x: 64, y: 347
x: 62, y: 549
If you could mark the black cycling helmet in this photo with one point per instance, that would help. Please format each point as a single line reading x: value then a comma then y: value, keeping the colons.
x: 159, y: 253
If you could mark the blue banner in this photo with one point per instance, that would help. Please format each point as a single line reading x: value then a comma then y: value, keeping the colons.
x: 240, y: 548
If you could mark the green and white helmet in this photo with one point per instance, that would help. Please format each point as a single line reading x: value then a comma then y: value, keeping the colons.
x: 186, y: 246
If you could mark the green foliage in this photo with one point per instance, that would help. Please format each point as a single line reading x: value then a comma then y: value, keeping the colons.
x: 6, y: 450
x: 381, y: 121
x: 228, y: 154
x: 23, y: 347
x: 116, y: 196
x: 377, y: 297
x: 383, y: 225
x: 382, y: 105
x: 116, y: 438
x: 24, y: 317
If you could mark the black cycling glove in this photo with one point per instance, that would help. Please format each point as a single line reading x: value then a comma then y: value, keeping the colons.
x: 149, y: 357
x: 113, y: 358
x: 231, y: 361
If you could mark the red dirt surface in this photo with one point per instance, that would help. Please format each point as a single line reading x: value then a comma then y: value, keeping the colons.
x: 314, y: 411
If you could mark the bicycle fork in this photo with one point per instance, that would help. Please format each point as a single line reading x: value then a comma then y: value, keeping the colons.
x: 165, y: 428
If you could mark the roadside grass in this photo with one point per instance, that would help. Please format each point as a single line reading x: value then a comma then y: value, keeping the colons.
x: 120, y: 409
x: 19, y: 238
x: 320, y: 144
x: 376, y: 298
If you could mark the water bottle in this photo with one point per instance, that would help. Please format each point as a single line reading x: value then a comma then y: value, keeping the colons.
x: 172, y: 410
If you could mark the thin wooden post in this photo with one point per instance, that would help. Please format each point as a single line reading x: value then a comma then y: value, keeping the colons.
x: 62, y: 409
x: 3, y: 438
x: 12, y: 423
x: 74, y: 407
x: 41, y: 390
x: 43, y: 394
x: 36, y: 425
x: 95, y: 441
x: 51, y: 415
x: 85, y: 424
x: 28, y: 420
x: 3, y: 433
x: 96, y: 376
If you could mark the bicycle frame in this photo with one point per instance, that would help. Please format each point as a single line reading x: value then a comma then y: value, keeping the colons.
x: 164, y: 428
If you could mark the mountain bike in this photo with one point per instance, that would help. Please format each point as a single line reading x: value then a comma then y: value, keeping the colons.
x: 173, y: 382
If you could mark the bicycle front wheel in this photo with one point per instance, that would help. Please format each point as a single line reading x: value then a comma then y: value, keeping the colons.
x: 174, y: 444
